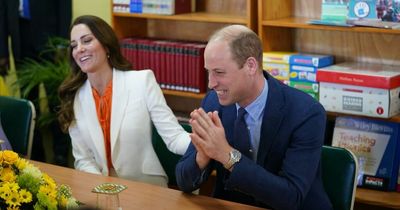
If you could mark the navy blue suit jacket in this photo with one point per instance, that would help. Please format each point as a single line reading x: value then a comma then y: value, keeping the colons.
x: 287, y: 173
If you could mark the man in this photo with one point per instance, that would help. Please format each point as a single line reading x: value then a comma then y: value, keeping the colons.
x: 286, y: 131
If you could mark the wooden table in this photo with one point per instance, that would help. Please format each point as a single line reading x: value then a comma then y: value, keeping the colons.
x: 378, y: 198
x: 138, y: 195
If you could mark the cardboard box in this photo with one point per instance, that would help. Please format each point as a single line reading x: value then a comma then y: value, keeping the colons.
x: 314, y: 60
x: 277, y: 57
x: 361, y: 89
x: 308, y: 87
x: 303, y: 73
x: 278, y: 70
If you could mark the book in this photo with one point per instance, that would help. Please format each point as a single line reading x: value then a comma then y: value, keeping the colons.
x: 334, y: 13
x: 375, y: 13
x: 166, y: 7
x: 384, y: 10
x: 375, y: 23
x: 362, y: 9
x: 121, y: 6
x: 376, y: 146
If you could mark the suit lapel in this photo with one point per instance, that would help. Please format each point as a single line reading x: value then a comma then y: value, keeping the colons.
x: 228, y: 117
x: 90, y: 117
x: 119, y: 103
x: 272, y: 119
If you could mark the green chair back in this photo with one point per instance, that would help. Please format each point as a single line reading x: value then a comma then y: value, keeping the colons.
x: 167, y: 158
x: 18, y: 120
x: 339, y: 175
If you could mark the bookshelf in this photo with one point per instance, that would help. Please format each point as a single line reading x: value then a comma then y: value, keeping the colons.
x: 282, y: 26
x: 208, y: 16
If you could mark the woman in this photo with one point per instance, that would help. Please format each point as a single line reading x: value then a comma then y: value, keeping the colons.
x: 109, y: 110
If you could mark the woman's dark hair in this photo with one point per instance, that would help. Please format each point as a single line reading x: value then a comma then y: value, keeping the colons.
x: 68, y: 89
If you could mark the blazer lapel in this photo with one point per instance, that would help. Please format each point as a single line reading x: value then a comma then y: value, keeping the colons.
x: 272, y: 119
x: 228, y: 117
x: 90, y: 117
x: 119, y: 103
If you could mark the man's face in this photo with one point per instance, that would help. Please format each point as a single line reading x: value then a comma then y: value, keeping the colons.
x: 225, y: 76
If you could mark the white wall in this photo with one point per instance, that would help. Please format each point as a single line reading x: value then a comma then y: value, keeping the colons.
x: 101, y: 8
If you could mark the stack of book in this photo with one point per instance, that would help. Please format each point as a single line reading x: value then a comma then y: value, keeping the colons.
x: 164, y: 7
x: 303, y: 71
x: 176, y: 65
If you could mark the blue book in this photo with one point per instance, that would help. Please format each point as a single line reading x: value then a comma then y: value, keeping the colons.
x: 377, y: 147
x: 136, y: 6
x: 311, y: 60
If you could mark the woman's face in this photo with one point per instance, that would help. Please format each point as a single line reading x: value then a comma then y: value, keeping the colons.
x: 86, y: 49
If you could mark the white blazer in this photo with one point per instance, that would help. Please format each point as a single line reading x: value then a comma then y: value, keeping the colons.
x: 137, y: 101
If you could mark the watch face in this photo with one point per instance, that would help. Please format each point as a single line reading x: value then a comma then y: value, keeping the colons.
x: 361, y: 9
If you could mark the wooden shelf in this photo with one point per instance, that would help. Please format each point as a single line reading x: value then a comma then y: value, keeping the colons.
x: 184, y: 94
x: 302, y: 23
x: 197, y: 26
x: 196, y: 16
x: 395, y: 119
x: 378, y: 198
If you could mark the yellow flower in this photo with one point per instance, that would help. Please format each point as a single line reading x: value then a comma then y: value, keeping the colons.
x: 1, y: 157
x: 9, y: 157
x: 22, y: 183
x: 48, y: 180
x: 63, y: 201
x: 25, y: 196
x: 21, y: 163
x: 13, y: 200
x: 7, y: 175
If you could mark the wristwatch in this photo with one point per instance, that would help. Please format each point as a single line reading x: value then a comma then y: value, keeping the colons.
x: 234, y: 157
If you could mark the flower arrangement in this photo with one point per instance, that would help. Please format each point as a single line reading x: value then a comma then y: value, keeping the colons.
x: 24, y: 186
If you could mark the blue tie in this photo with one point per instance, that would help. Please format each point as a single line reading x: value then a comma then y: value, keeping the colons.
x: 241, y: 137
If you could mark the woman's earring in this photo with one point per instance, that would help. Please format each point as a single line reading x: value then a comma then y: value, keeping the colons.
x: 108, y: 56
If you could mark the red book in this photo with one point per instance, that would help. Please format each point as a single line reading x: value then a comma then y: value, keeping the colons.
x: 143, y: 53
x: 161, y: 48
x: 126, y: 48
x: 170, y: 64
x: 200, y: 73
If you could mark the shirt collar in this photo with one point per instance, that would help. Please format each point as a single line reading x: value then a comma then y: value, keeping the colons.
x: 256, y: 108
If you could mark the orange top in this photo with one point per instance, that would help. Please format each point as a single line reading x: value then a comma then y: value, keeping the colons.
x: 103, y: 109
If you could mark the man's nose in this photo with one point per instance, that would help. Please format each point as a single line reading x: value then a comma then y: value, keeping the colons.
x: 212, y: 82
